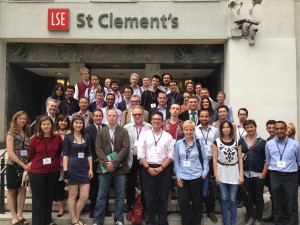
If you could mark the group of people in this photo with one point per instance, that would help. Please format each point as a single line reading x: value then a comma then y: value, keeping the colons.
x: 93, y: 139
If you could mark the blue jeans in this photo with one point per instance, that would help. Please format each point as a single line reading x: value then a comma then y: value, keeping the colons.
x: 228, y: 192
x: 117, y: 181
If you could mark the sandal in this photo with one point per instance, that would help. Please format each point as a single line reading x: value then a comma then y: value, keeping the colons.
x: 17, y: 223
x: 81, y: 222
x: 24, y: 221
x: 75, y: 223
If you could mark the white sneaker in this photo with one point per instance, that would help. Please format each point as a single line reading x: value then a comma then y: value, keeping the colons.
x: 119, y: 223
x: 250, y: 221
x: 257, y: 222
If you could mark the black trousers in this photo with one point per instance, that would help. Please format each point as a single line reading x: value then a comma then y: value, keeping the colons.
x: 156, y: 191
x: 285, y: 195
x: 255, y: 189
x: 210, y: 199
x: 93, y: 188
x: 43, y: 187
x: 191, y: 192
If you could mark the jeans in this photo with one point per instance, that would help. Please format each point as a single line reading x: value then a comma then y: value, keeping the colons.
x: 118, y: 183
x: 228, y: 192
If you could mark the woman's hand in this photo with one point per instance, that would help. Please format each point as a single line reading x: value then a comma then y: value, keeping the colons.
x: 27, y: 166
x: 241, y: 180
x: 218, y: 182
x: 179, y: 182
x: 66, y: 177
x: 91, y: 174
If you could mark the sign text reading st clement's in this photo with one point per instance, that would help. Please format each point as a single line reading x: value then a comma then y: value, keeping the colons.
x: 108, y: 20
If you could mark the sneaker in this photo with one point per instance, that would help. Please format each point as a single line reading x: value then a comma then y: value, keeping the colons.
x: 257, y: 222
x: 119, y: 223
x: 250, y: 221
x: 213, y: 217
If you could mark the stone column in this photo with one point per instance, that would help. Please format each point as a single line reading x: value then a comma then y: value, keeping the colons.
x: 152, y: 69
x: 297, y: 5
x: 3, y: 103
x: 74, y: 72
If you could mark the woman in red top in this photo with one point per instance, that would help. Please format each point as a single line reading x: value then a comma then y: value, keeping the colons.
x: 44, y: 152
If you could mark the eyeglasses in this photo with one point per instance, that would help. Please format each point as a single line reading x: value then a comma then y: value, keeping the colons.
x: 137, y: 114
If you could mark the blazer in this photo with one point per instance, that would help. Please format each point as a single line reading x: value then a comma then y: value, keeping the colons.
x: 130, y: 128
x: 126, y: 117
x: 178, y: 99
x: 121, y: 146
x: 62, y: 107
x: 92, y: 132
x: 93, y: 106
x: 186, y: 116
x: 122, y: 106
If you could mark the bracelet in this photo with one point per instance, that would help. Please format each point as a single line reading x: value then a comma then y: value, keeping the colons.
x: 147, y: 168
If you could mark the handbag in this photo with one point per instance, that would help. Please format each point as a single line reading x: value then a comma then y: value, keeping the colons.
x: 136, y: 215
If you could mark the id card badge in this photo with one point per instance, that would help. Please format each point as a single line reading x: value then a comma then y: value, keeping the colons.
x: 153, y: 105
x: 46, y: 161
x: 136, y: 143
x: 206, y: 148
x: 281, y: 164
x: 186, y: 163
x: 156, y: 150
x: 23, y: 152
x: 80, y: 155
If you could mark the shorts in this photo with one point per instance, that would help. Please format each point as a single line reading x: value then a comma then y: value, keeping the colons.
x: 13, y: 178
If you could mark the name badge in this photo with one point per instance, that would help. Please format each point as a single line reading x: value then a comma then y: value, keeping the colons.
x: 153, y: 105
x: 46, y: 161
x: 281, y: 164
x: 136, y: 143
x: 156, y: 149
x: 23, y: 152
x: 186, y: 163
x: 80, y: 155
x: 206, y: 148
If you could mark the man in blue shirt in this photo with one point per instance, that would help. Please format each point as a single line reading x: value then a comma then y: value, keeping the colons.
x: 283, y: 158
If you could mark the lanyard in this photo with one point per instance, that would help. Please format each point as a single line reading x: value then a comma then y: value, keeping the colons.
x: 240, y: 132
x: 205, y: 139
x: 153, y: 97
x: 156, y: 141
x: 188, y: 150
x: 281, y: 154
x: 112, y: 137
x: 78, y: 143
x: 49, y: 145
x: 138, y: 131
x: 173, y: 97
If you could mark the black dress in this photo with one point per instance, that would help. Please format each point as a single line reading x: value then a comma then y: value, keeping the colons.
x: 78, y: 165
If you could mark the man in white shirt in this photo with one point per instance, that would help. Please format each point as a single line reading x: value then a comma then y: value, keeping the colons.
x: 110, y: 100
x: 134, y: 81
x: 90, y: 93
x: 155, y: 152
x: 242, y: 115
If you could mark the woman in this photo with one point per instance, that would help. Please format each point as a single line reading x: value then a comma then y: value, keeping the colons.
x: 62, y: 125
x: 190, y: 173
x: 291, y: 130
x: 228, y: 169
x: 184, y: 107
x: 206, y: 104
x: 45, y: 149
x: 17, y: 142
x: 78, y: 170
x: 58, y: 93
x: 222, y: 112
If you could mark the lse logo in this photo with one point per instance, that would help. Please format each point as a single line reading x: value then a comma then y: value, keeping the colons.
x: 58, y: 19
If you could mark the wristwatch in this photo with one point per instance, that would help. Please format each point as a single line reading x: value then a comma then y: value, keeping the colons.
x: 147, y: 168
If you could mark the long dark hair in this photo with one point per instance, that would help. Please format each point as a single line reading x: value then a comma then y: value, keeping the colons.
x: 231, y: 135
x: 77, y: 117
x: 55, y: 96
x: 210, y: 108
x: 61, y: 117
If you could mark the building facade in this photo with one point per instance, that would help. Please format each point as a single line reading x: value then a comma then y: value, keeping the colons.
x: 252, y: 55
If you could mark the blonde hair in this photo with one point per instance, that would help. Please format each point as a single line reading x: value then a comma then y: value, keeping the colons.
x: 14, y: 125
x: 293, y: 128
x: 188, y: 123
x: 84, y: 69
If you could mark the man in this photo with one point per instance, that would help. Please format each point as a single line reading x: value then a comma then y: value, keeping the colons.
x: 270, y: 127
x: 205, y: 93
x: 198, y: 87
x: 155, y: 152
x: 90, y: 93
x: 221, y: 101
x: 84, y: 112
x: 165, y: 79
x: 192, y: 112
x: 110, y: 100
x: 127, y: 114
x: 146, y: 83
x: 115, y: 90
x: 135, y: 130
x: 174, y: 96
x: 92, y: 131
x: 81, y: 86
x: 255, y: 170
x: 162, y: 107
x: 207, y: 134
x: 112, y: 149
x: 99, y: 103
x: 51, y: 110
x: 126, y: 104
x: 70, y: 104
x: 149, y: 97
x: 242, y: 115
x: 134, y: 81
x: 283, y: 159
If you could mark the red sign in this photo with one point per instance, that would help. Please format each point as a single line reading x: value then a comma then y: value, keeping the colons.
x: 58, y: 19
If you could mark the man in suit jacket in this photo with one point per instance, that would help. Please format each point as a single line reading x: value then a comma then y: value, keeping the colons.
x: 92, y: 131
x: 192, y: 113
x: 70, y: 104
x: 126, y: 104
x: 174, y: 96
x: 112, y: 149
x: 51, y: 110
x: 100, y: 103
x: 163, y: 107
x: 127, y: 114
